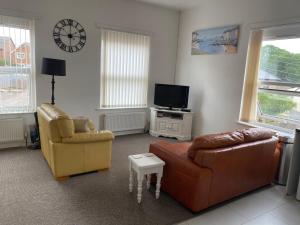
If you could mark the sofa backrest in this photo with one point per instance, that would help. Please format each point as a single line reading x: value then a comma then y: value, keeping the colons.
x: 55, y: 123
x: 240, y: 168
x: 228, y: 139
x: 215, y: 141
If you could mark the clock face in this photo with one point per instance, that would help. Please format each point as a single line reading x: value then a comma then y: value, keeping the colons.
x: 69, y: 35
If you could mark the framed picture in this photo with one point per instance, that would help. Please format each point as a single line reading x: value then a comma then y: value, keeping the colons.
x: 215, y: 40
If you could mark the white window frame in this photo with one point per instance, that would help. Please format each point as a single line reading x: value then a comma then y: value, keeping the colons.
x: 27, y: 23
x: 260, y: 114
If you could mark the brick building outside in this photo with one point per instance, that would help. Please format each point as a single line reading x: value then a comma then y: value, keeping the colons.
x: 6, y: 47
x: 10, y: 55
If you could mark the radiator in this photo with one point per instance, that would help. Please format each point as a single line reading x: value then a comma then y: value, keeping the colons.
x: 133, y: 122
x: 11, y: 130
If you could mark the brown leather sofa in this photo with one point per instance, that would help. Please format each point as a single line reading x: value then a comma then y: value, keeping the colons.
x: 215, y: 168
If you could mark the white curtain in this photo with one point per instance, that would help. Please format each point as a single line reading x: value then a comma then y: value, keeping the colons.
x: 124, y: 69
x: 249, y: 98
x: 17, y: 65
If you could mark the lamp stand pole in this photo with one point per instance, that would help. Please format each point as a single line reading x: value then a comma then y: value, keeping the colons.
x: 52, y: 98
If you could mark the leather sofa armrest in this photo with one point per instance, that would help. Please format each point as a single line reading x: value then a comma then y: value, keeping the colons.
x: 275, y: 164
x: 89, y: 137
x: 187, y: 182
x: 184, y: 165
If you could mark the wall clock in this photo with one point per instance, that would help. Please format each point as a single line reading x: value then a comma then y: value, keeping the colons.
x: 69, y: 35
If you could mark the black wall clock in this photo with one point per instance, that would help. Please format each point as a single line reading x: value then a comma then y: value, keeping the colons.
x: 69, y: 35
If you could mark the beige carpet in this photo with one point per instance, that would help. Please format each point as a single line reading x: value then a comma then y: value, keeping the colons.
x: 30, y: 196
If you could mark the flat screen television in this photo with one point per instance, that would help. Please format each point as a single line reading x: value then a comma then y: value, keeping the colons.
x: 171, y: 96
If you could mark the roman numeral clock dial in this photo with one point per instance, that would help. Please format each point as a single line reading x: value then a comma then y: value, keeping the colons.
x: 69, y: 35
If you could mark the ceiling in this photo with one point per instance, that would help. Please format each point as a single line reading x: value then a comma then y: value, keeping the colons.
x: 174, y: 4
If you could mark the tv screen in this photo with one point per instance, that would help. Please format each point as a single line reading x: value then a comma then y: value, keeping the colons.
x: 172, y: 96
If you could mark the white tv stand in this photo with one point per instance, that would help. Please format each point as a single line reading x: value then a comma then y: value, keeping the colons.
x: 171, y: 123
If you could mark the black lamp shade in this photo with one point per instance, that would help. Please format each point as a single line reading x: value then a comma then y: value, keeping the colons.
x: 56, y: 67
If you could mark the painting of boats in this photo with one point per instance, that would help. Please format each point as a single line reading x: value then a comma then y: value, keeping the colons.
x: 215, y: 40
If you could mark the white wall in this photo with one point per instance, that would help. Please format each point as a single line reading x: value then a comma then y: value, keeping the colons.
x: 78, y: 92
x: 217, y: 80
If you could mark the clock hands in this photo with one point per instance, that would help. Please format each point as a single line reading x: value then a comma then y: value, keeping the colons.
x: 68, y: 35
x: 64, y: 30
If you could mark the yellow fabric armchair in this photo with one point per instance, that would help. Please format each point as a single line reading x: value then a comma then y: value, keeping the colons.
x: 67, y: 152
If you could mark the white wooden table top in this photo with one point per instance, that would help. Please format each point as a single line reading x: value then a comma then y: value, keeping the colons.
x: 146, y: 160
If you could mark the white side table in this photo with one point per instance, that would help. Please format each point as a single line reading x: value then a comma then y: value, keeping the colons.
x: 145, y: 164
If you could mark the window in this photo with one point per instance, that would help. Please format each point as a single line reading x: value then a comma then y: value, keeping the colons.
x: 273, y: 74
x: 279, y: 83
x: 17, y: 77
x: 124, y: 69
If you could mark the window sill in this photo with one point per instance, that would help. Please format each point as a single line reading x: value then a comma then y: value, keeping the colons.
x: 124, y: 108
x: 16, y: 113
x: 281, y: 131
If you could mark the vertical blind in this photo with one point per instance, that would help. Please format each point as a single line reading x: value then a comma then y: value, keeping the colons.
x: 124, y: 69
x: 17, y: 74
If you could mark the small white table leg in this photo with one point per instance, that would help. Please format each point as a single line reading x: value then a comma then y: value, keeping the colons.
x: 140, y: 184
x: 130, y: 178
x: 159, y: 175
x: 148, y: 180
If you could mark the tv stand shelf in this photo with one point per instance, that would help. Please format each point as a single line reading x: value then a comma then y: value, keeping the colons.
x: 171, y: 123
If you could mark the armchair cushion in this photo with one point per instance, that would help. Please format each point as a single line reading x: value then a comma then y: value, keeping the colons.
x: 89, y: 137
x: 81, y: 124
x: 91, y: 125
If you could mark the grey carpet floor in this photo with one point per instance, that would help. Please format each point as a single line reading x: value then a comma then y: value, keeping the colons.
x: 30, y: 196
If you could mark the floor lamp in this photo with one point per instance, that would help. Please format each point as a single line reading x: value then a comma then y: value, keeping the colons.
x: 53, y: 67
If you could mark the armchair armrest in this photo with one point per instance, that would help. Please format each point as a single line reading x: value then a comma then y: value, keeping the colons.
x: 89, y: 137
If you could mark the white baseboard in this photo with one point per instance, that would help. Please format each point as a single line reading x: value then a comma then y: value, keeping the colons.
x: 14, y: 144
x: 119, y: 133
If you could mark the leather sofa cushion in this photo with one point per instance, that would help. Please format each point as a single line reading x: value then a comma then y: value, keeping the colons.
x: 257, y: 134
x: 214, y: 141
